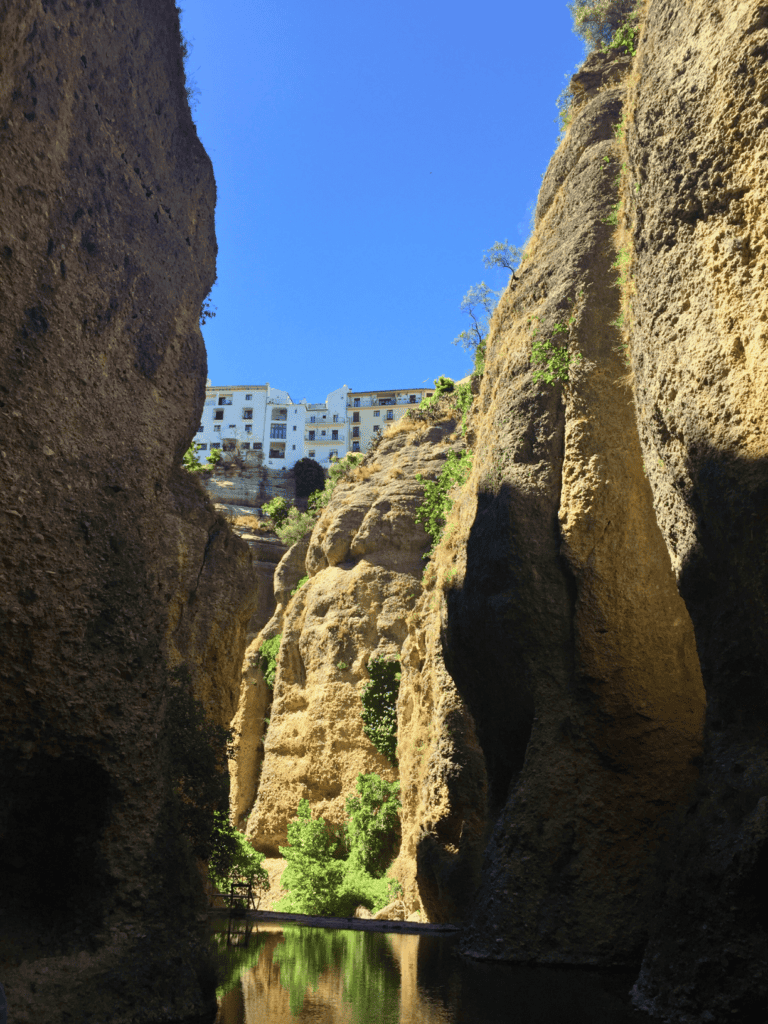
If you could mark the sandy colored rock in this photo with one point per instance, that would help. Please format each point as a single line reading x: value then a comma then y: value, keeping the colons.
x: 249, y: 724
x: 552, y: 681
x: 365, y: 560
x: 698, y: 216
x: 117, y: 578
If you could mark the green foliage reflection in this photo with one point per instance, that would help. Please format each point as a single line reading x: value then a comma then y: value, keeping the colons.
x: 371, y: 978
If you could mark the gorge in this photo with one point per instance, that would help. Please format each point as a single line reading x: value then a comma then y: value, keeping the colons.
x: 582, y: 715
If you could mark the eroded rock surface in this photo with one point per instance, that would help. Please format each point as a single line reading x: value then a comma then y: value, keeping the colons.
x: 554, y: 666
x: 697, y: 155
x: 365, y: 561
x: 115, y: 571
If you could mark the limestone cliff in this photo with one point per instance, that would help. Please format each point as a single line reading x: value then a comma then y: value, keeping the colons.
x: 365, y: 563
x: 115, y: 571
x: 698, y: 212
x: 564, y: 791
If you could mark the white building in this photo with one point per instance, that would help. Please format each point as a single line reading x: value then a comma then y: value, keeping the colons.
x: 259, y: 418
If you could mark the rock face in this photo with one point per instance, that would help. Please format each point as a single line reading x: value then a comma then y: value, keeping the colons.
x: 118, y: 580
x: 552, y: 662
x: 365, y: 562
x: 697, y: 148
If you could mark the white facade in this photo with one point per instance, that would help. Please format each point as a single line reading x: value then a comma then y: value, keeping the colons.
x: 370, y: 412
x: 258, y: 418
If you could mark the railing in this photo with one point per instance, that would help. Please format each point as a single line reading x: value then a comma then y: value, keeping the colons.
x: 367, y: 403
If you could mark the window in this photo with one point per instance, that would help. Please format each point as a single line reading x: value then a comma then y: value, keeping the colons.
x: 249, y: 398
x: 429, y: 394
x: 355, y: 417
x: 232, y: 426
x: 277, y: 453
x: 322, y: 433
x: 200, y: 429
x: 377, y: 413
x: 277, y: 432
x: 311, y: 435
x: 390, y: 414
x: 293, y: 447
x: 247, y: 414
x: 355, y: 431
x: 334, y: 435
x: 335, y: 418
x: 334, y: 454
x: 377, y: 429
x: 412, y: 399
x: 355, y: 446
x: 215, y: 444
x: 217, y: 428
x: 356, y: 402
x: 218, y: 414
x: 386, y: 401
x: 311, y: 455
x: 257, y: 446
x: 203, y: 447
x: 313, y: 419
x: 246, y: 445
x: 294, y: 425
x: 225, y: 400
x: 249, y: 428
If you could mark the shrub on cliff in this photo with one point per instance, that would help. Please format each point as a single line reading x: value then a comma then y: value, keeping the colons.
x: 605, y: 23
x: 379, y: 699
x: 277, y: 510
x: 438, y: 499
x: 318, y: 882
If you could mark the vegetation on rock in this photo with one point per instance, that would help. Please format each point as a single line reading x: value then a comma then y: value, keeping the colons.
x: 267, y: 656
x: 233, y: 859
x: 438, y: 500
x: 379, y: 698
x: 317, y: 880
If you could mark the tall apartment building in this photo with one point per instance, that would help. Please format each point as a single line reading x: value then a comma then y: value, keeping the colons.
x: 258, y: 418
x: 369, y: 412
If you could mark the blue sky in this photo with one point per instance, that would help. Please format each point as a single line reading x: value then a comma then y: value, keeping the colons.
x: 365, y: 157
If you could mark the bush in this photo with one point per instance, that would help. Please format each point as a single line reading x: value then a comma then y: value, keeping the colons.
x: 233, y: 859
x: 319, y: 883
x: 598, y: 22
x: 379, y: 698
x: 295, y: 526
x: 191, y: 459
x: 277, y: 510
x: 437, y: 503
x: 373, y: 823
x: 309, y: 477
x: 267, y: 655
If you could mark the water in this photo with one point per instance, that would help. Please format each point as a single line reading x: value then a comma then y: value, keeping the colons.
x: 285, y: 974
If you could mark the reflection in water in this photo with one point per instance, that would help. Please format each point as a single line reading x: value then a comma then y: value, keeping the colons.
x: 290, y: 974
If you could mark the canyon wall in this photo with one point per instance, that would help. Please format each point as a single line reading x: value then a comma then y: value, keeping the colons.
x: 122, y: 590
x: 364, y: 562
x: 697, y: 147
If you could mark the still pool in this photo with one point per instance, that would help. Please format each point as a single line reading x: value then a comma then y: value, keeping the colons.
x: 284, y: 973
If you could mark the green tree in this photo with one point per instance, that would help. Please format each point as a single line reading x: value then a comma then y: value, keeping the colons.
x: 277, y: 510
x: 232, y: 858
x: 313, y: 875
x: 373, y: 823
x: 598, y: 21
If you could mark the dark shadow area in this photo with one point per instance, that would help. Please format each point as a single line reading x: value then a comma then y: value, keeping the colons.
x: 709, y: 940
x: 513, y: 609
x: 52, y: 814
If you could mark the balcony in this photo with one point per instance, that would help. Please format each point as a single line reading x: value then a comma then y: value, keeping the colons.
x: 367, y: 403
